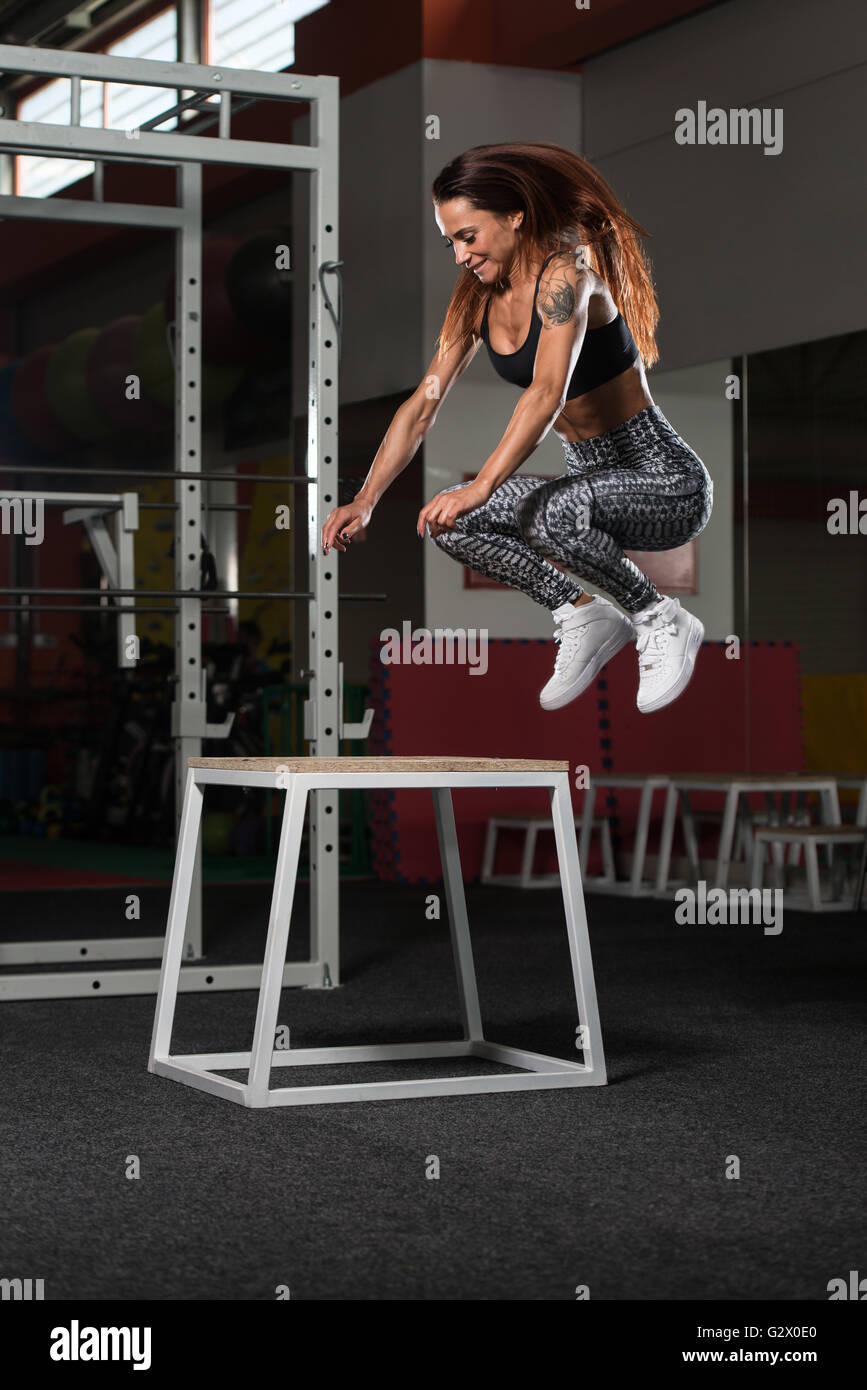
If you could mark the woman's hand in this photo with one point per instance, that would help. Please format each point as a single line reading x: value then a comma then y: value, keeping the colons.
x: 343, y: 523
x: 442, y: 513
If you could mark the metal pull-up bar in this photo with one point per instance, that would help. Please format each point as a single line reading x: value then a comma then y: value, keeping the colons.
x: 187, y: 593
x: 302, y: 479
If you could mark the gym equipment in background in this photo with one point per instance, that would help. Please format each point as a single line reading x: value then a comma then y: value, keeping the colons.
x: 31, y: 408
x: 66, y: 389
x: 140, y: 418
x: 153, y: 360
x: 260, y: 291
x: 226, y: 340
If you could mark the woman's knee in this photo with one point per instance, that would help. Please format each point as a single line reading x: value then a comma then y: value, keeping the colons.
x: 450, y: 541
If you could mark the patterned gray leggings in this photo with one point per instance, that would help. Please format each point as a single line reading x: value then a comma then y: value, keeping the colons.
x: 639, y: 486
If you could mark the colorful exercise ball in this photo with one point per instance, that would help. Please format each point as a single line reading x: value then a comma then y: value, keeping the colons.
x: 126, y: 406
x: 14, y: 443
x: 31, y: 408
x: 152, y: 361
x: 259, y: 284
x: 225, y: 340
x: 66, y: 388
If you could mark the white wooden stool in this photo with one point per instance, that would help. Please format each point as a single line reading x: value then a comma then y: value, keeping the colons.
x: 531, y: 826
x: 299, y: 776
x: 810, y: 836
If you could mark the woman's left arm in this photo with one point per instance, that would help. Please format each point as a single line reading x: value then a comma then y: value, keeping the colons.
x: 564, y: 293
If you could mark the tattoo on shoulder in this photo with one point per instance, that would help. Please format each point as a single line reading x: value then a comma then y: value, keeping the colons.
x: 556, y: 296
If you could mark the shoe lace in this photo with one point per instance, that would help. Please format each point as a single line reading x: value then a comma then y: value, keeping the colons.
x: 652, y: 644
x: 567, y: 640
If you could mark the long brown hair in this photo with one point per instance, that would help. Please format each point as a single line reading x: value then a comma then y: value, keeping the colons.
x: 566, y: 204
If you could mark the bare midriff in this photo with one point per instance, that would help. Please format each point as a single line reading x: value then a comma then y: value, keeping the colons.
x: 606, y: 406
x: 596, y: 411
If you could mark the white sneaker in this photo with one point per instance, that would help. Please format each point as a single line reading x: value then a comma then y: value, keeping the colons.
x: 587, y: 637
x: 668, y: 643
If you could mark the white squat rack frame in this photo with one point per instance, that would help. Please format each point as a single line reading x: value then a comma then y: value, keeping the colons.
x: 116, y: 557
x: 194, y: 83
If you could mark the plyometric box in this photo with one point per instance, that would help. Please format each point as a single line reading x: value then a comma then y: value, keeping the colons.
x: 736, y: 715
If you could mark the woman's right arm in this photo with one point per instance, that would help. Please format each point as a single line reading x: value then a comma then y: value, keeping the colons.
x: 411, y: 423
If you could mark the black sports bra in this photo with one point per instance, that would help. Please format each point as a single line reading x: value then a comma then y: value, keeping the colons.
x: 605, y: 353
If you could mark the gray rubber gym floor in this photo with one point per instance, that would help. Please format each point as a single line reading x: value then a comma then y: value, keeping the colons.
x: 719, y: 1042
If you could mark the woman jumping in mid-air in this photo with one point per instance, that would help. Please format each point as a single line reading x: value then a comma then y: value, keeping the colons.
x: 556, y: 286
